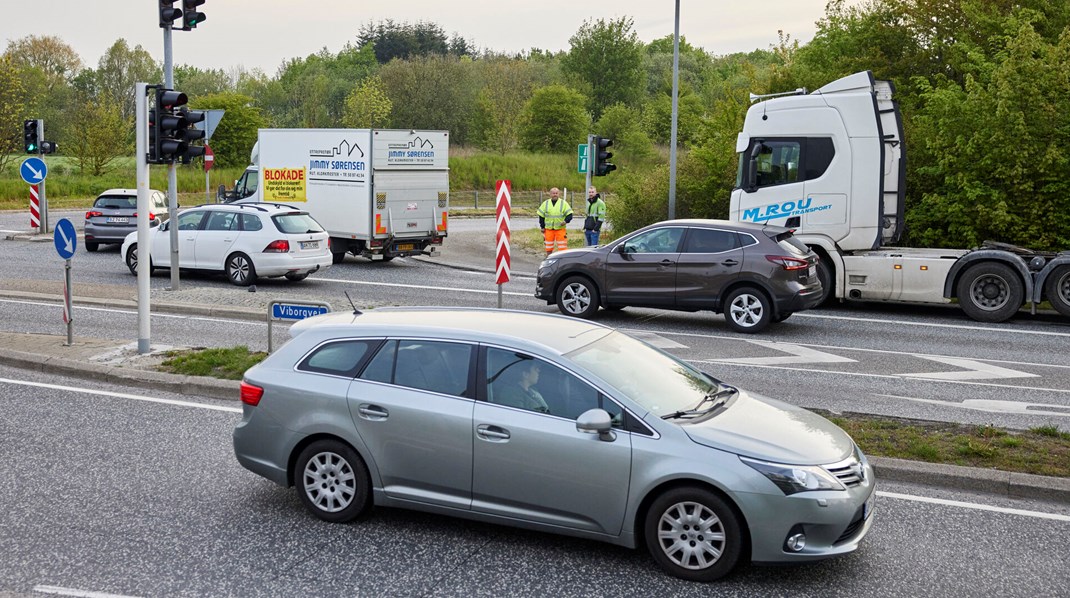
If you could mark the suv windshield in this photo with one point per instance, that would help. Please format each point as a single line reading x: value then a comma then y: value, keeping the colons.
x: 648, y: 376
x: 295, y: 223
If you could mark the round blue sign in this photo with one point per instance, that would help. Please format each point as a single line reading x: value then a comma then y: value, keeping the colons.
x: 65, y: 238
x: 33, y: 170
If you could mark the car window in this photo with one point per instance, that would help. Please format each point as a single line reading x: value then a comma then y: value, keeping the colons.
x: 159, y: 200
x: 341, y: 358
x: 659, y: 240
x: 707, y: 240
x: 222, y: 221
x: 428, y: 365
x: 788, y: 242
x: 116, y: 202
x: 296, y: 223
x: 251, y: 222
x: 525, y: 382
x: 190, y: 220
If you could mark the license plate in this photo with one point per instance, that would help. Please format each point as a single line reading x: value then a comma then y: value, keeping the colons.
x: 310, y: 244
x: 118, y: 220
x: 404, y: 247
x: 811, y: 270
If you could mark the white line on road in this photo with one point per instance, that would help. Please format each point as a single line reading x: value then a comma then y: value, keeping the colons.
x: 799, y: 354
x: 932, y: 325
x: 74, y: 592
x: 425, y: 287
x: 134, y: 313
x: 971, y: 370
x: 973, y: 505
x: 121, y: 395
x: 994, y: 406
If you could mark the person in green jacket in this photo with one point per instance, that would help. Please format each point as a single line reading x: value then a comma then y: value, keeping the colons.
x: 596, y: 215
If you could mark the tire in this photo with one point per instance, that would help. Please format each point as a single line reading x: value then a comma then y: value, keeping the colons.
x: 131, y: 260
x: 990, y: 292
x: 828, y: 285
x: 1057, y: 289
x: 783, y: 316
x: 240, y: 269
x: 295, y: 277
x: 338, y: 258
x: 747, y: 310
x: 332, y: 481
x: 91, y: 246
x: 693, y: 534
x: 578, y: 297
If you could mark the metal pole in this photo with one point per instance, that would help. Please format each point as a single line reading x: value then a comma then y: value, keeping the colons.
x: 675, y: 113
x: 499, y: 295
x: 142, y: 143
x: 172, y: 172
x: 590, y: 162
x: 68, y: 302
x: 207, y: 189
x: 41, y: 188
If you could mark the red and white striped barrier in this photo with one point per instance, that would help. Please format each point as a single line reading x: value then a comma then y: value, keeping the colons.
x: 35, y: 208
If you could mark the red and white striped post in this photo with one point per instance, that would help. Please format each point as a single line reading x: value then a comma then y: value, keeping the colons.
x: 501, y: 258
x: 35, y: 208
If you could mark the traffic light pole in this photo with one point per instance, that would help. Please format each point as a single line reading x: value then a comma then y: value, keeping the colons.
x: 172, y: 172
x: 41, y: 186
x: 142, y: 166
x: 590, y: 162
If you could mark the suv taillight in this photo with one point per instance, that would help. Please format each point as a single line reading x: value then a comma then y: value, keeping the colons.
x: 788, y: 263
x: 280, y: 246
x: 251, y: 395
x: 92, y: 214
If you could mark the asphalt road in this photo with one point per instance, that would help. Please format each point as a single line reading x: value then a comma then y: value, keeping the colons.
x: 134, y: 493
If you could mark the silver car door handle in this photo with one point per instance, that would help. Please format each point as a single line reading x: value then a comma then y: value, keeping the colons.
x: 667, y: 261
x: 373, y: 412
x: 492, y: 433
x: 730, y: 263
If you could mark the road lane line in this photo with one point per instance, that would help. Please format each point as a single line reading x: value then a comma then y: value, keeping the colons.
x: 931, y: 325
x: 121, y: 395
x: 75, y: 592
x: 134, y: 313
x: 415, y: 286
x: 973, y: 505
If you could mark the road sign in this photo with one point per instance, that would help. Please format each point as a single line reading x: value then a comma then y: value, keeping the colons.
x: 503, y: 211
x: 581, y: 158
x: 65, y: 238
x: 34, y: 170
x: 297, y: 311
x: 209, y: 158
x: 210, y: 122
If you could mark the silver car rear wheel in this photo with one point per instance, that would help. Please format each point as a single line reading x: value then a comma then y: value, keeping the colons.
x: 332, y: 481
x: 693, y: 534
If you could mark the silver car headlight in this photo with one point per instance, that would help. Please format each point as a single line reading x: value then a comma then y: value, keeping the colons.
x: 792, y: 479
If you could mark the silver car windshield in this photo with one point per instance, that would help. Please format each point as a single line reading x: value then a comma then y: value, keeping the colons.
x: 648, y: 376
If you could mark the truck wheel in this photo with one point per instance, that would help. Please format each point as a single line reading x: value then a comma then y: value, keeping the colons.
x: 1057, y: 289
x: 747, y: 309
x: 577, y: 296
x: 990, y: 292
x: 828, y: 286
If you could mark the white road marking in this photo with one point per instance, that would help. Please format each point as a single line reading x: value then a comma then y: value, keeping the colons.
x: 75, y: 592
x: 657, y: 340
x: 993, y: 406
x: 134, y: 313
x: 122, y: 395
x: 799, y: 354
x: 425, y: 287
x: 931, y: 325
x: 973, y: 505
x: 972, y: 370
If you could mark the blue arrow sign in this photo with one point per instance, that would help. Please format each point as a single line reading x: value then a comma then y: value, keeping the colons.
x: 65, y: 238
x: 34, y: 170
x: 296, y: 311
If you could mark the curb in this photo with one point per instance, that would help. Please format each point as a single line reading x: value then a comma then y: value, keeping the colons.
x: 237, y: 313
x: 990, y: 481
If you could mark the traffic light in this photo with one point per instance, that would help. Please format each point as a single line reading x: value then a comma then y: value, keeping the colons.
x: 191, y: 134
x: 49, y: 147
x: 602, y: 167
x: 30, y: 132
x: 171, y: 129
x: 168, y: 13
x: 191, y: 17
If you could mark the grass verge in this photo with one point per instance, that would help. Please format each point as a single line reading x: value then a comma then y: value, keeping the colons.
x: 1042, y: 450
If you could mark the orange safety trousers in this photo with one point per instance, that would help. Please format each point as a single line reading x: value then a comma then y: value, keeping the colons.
x: 555, y: 240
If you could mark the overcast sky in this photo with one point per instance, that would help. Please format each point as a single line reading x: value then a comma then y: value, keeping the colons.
x: 263, y: 33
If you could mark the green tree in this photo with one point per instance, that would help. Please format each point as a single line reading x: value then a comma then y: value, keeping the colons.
x: 13, y: 109
x: 622, y: 124
x: 607, y: 57
x: 657, y: 117
x: 507, y: 83
x: 391, y: 40
x: 98, y: 134
x: 196, y: 82
x: 233, y: 139
x: 554, y: 120
x: 367, y: 106
x: 118, y: 70
x: 432, y: 92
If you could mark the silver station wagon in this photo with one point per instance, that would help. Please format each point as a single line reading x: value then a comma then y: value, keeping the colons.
x: 550, y: 423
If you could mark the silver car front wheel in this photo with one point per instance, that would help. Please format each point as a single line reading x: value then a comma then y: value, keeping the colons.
x: 693, y: 534
x: 332, y: 481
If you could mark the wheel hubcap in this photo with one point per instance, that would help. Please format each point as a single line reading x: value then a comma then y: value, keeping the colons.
x: 133, y: 259
x: 329, y: 482
x: 691, y: 535
x: 990, y: 292
x: 239, y: 269
x: 576, y: 298
x: 746, y: 310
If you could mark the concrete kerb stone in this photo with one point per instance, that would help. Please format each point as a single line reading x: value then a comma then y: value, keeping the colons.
x: 991, y: 481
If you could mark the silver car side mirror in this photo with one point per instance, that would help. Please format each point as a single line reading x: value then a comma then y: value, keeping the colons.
x: 596, y: 421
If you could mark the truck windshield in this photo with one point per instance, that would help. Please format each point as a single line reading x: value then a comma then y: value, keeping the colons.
x: 739, y: 171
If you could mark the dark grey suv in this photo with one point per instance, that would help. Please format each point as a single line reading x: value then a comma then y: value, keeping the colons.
x: 754, y: 274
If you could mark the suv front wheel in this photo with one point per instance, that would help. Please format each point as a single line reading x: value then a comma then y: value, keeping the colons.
x: 747, y: 309
x: 577, y: 296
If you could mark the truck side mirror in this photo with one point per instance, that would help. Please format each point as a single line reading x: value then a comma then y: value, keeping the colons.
x: 221, y: 194
x: 752, y: 176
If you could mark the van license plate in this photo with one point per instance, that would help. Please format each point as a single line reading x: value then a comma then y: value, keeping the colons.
x: 404, y: 247
x: 118, y: 220
x: 310, y: 244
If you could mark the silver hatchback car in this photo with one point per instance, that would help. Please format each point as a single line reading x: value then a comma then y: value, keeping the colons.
x: 550, y: 423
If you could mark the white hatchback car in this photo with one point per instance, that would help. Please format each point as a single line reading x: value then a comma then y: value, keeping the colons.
x: 243, y: 240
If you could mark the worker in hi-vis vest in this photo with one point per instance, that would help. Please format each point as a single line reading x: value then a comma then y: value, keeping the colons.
x: 554, y: 214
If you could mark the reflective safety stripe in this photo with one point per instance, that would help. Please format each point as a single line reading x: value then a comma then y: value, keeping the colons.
x: 554, y: 214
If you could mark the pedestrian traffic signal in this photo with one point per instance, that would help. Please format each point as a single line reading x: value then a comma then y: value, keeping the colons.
x: 31, y: 134
x: 602, y: 166
x: 191, y: 17
x: 168, y: 13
